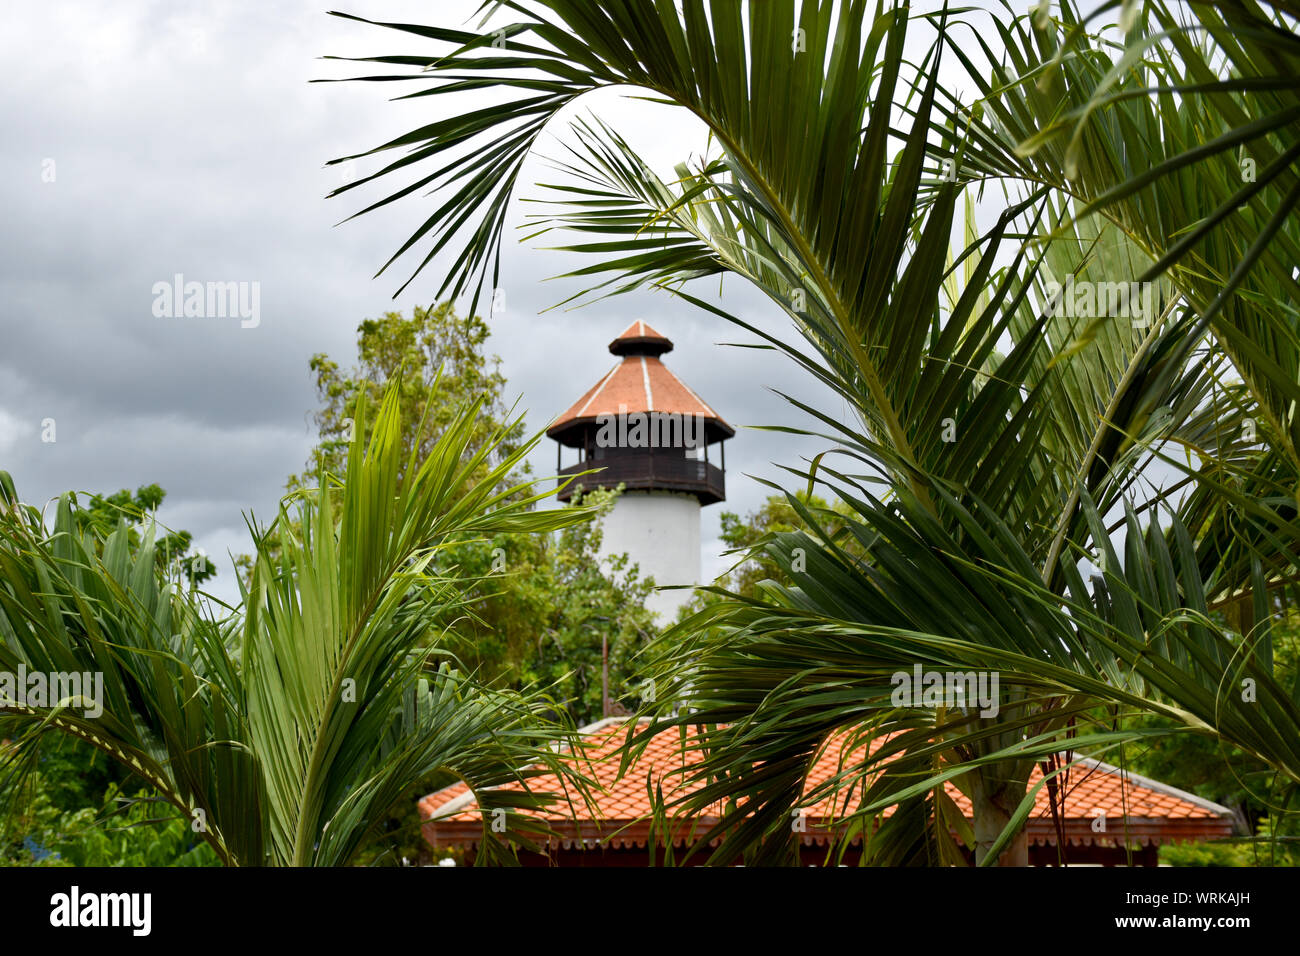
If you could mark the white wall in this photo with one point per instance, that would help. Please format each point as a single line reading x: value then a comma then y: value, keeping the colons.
x: 660, y: 532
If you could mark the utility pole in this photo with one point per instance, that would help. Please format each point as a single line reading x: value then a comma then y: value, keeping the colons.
x: 604, y: 675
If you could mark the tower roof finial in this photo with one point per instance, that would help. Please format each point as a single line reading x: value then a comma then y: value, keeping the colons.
x: 640, y: 339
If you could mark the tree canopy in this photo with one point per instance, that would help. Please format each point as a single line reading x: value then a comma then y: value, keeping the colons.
x: 1002, y: 464
x: 545, y: 605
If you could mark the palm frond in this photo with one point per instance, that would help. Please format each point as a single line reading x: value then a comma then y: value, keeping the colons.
x: 285, y: 730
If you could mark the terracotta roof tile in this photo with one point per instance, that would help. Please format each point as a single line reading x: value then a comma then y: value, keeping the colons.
x: 1159, y: 812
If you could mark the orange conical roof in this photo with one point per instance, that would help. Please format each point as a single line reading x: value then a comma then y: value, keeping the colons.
x: 638, y: 383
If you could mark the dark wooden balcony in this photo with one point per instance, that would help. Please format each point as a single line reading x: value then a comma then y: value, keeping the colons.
x: 650, y: 470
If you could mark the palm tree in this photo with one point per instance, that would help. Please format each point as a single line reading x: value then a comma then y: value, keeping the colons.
x: 997, y: 433
x: 285, y: 728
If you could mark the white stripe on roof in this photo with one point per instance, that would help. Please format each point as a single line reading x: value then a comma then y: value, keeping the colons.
x: 649, y: 395
x: 599, y: 388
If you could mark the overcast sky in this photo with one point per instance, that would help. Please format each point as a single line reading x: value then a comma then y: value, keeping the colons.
x: 141, y: 140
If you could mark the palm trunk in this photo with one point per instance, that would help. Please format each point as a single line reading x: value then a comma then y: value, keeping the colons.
x: 993, y: 802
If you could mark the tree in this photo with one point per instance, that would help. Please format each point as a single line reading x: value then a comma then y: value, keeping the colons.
x: 747, y: 536
x: 1000, y: 439
x: 73, y: 785
x: 434, y: 350
x: 552, y: 614
x: 102, y: 514
x: 545, y: 605
x: 63, y: 819
x: 284, y: 731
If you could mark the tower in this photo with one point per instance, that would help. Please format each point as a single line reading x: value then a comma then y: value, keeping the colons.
x: 646, y: 430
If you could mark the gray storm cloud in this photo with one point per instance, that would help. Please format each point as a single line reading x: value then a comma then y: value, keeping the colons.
x: 154, y: 139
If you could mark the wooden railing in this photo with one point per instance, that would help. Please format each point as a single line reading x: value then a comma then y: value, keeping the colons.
x: 669, y: 470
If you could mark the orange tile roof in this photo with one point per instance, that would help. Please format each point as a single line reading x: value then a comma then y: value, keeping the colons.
x: 1144, y: 810
x: 640, y: 383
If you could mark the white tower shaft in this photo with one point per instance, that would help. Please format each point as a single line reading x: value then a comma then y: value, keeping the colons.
x: 660, y: 533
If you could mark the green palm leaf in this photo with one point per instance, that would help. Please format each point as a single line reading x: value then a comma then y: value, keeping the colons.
x: 285, y: 730
x: 994, y: 435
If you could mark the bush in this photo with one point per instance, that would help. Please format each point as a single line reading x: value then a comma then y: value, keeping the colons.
x: 72, y: 812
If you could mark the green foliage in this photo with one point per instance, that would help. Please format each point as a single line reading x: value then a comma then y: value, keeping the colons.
x: 545, y: 604
x: 75, y: 787
x: 1212, y: 768
x: 102, y: 514
x: 411, y: 355
x: 746, y: 537
x: 1266, y: 848
x: 71, y: 812
x: 285, y: 730
x: 996, y: 441
x: 537, y: 607
x: 75, y: 774
x: 1258, y: 852
x: 133, y: 831
x: 546, y: 607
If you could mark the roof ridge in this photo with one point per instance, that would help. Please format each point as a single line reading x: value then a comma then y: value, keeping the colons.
x: 1129, y: 777
x: 691, y: 392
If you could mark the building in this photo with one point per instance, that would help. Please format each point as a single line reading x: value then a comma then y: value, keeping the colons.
x: 645, y: 429
x: 1110, y: 817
